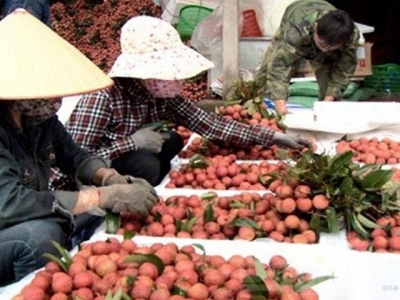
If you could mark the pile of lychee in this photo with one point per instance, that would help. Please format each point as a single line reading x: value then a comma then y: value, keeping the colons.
x: 224, y: 173
x: 283, y: 216
x: 384, y: 238
x: 372, y: 151
x: 163, y: 271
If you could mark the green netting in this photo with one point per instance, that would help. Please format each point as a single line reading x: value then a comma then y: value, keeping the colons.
x: 385, y: 79
x: 189, y: 17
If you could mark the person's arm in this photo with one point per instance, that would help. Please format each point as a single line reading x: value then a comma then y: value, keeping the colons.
x: 280, y: 63
x: 342, y: 72
x: 89, y: 123
x: 215, y: 127
x: 344, y: 69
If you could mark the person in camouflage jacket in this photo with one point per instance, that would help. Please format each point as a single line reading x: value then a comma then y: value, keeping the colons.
x: 316, y: 31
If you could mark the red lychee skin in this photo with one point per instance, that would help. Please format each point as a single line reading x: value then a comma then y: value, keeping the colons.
x: 101, y: 287
x: 247, y: 233
x: 309, y: 294
x: 128, y: 245
x: 198, y: 291
x: 33, y: 292
x: 41, y: 281
x: 278, y: 262
x: 83, y: 294
x: 214, y: 277
x: 222, y: 294
x: 149, y: 269
x: 160, y: 294
x: 81, y: 280
x: 59, y: 296
x: 105, y: 266
x: 100, y: 248
x: 141, y: 291
x: 61, y: 283
x: 52, y: 267
x: 234, y: 285
x: 76, y: 268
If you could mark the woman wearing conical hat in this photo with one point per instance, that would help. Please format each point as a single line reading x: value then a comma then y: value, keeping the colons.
x: 37, y: 67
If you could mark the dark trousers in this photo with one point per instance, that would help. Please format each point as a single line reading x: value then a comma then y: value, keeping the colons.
x: 152, y: 167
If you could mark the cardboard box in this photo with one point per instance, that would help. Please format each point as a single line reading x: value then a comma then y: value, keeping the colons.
x: 363, y: 65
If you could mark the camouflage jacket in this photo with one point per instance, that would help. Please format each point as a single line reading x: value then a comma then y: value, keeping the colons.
x: 293, y: 42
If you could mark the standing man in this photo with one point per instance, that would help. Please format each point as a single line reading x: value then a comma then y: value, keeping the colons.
x: 311, y: 30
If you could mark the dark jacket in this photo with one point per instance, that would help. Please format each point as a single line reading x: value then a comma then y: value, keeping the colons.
x: 25, y: 162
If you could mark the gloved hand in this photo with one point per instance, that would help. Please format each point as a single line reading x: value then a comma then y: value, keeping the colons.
x: 118, y: 198
x: 149, y: 139
x: 287, y: 141
x: 113, y: 177
x: 135, y: 198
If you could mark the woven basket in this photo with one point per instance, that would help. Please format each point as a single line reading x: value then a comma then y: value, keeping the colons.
x: 189, y: 17
x: 385, y: 79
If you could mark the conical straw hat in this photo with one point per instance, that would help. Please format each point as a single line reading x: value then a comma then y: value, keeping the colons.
x: 35, y: 62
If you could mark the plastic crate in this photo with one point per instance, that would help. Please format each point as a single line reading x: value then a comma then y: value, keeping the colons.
x: 189, y: 17
x: 385, y: 79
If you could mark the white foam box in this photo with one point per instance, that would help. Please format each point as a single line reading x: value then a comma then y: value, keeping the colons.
x: 384, y: 113
x: 315, y: 259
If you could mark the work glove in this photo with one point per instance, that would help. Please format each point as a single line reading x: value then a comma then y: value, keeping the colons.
x: 113, y: 177
x: 286, y: 141
x: 134, y: 198
x: 148, y: 138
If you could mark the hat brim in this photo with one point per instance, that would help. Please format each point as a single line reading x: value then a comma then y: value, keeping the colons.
x: 171, y: 64
x: 37, y: 63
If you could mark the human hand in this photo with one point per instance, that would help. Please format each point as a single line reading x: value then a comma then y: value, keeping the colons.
x: 280, y: 107
x: 134, y: 198
x: 148, y: 138
x: 286, y: 141
x: 113, y: 177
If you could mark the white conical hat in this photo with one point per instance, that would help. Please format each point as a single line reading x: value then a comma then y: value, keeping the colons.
x: 35, y: 62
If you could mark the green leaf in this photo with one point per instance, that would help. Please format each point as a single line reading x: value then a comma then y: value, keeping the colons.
x: 333, y: 222
x: 245, y: 222
x: 178, y: 291
x: 365, y: 169
x: 340, y: 161
x: 256, y: 286
x: 128, y: 235
x: 113, y: 222
x: 248, y: 103
x: 109, y: 295
x: 187, y: 226
x: 356, y: 225
x: 251, y: 109
x: 201, y: 247
x: 118, y: 294
x: 315, y: 222
x: 376, y: 179
x: 367, y: 222
x: 208, y: 214
x: 236, y: 204
x: 207, y: 196
x: 260, y: 271
x: 141, y: 258
x: 265, y: 114
x: 60, y: 262
x: 312, y: 282
x: 179, y: 225
x: 64, y: 253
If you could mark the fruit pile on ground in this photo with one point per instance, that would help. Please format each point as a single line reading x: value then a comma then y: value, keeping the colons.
x: 112, y: 269
x: 94, y: 28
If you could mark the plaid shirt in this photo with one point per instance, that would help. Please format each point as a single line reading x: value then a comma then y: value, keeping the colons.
x: 103, y: 121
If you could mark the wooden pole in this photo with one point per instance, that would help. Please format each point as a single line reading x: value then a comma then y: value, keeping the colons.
x: 230, y: 45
